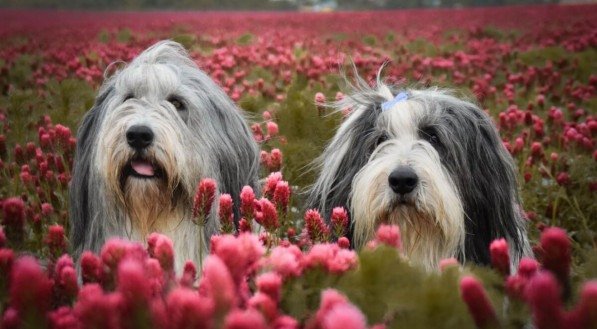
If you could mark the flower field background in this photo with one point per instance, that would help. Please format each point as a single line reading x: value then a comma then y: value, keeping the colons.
x: 532, y: 68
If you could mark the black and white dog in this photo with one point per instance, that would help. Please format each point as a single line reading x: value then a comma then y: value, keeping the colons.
x: 157, y: 127
x: 429, y: 162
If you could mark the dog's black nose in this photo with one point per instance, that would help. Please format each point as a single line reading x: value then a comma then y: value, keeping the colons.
x: 403, y: 180
x: 139, y: 137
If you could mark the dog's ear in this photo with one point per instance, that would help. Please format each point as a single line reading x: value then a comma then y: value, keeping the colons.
x: 238, y: 159
x: 82, y: 185
x: 230, y: 139
x: 487, y: 182
x: 344, y: 156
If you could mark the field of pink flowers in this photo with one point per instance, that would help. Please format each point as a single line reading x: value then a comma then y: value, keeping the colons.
x: 532, y: 68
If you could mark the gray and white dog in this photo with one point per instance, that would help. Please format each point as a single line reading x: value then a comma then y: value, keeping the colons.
x: 429, y: 162
x: 157, y: 127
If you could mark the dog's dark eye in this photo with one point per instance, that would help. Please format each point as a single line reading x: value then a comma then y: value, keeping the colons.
x: 382, y: 138
x: 430, y: 136
x: 178, y: 104
x: 127, y: 97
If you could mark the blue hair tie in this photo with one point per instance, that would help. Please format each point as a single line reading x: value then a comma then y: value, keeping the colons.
x: 389, y: 104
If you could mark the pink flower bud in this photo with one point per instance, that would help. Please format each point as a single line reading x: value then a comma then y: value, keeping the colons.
x: 270, y: 284
x: 264, y: 304
x: 66, y: 282
x: 536, y: 149
x: 563, y: 179
x: 272, y: 128
x: 204, y: 198
x: 266, y: 215
x: 285, y: 322
x: 3, y: 148
x: 14, y: 219
x: 275, y: 160
x: 247, y: 197
x: 217, y: 284
x: 55, y: 240
x: 46, y: 209
x: 241, y: 254
x: 586, y: 312
x: 264, y: 158
x: 389, y: 235
x: 527, y: 267
x: 94, y: 309
x: 344, y: 316
x: 500, y: 258
x: 270, y: 184
x: 330, y: 298
x: 343, y: 242
x: 319, y: 98
x: 342, y: 261
x: 266, y: 115
x: 30, y: 290
x: 286, y: 261
x: 556, y: 253
x: 540, y: 100
x: 543, y: 295
x: 115, y: 251
x: 187, y: 309
x: 339, y: 220
x: 63, y: 133
x: 45, y: 142
x: 189, y: 275
x: 282, y: 195
x: 7, y: 258
x: 62, y: 262
x: 244, y: 226
x: 2, y: 238
x: 160, y: 247
x: 245, y: 319
x: 19, y: 154
x: 527, y: 177
x: 317, y: 229
x: 26, y: 177
x: 11, y: 319
x: 225, y: 214
x: 63, y: 318
x: 478, y: 303
x: 257, y: 132
x: 554, y: 157
x: 91, y: 267
x: 133, y: 284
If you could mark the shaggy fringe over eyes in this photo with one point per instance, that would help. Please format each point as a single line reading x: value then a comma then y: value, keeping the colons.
x: 467, y: 195
x: 205, y: 136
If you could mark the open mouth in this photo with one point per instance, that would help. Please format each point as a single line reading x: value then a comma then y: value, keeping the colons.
x: 141, y: 168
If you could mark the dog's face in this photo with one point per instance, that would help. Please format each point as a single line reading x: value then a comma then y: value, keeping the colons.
x: 157, y: 128
x: 146, y: 137
x: 405, y: 181
x: 146, y: 132
x: 432, y: 164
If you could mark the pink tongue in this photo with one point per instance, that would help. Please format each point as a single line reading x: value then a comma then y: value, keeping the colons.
x: 142, y: 168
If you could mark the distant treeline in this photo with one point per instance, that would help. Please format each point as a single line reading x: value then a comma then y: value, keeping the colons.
x: 152, y: 4
x: 255, y: 4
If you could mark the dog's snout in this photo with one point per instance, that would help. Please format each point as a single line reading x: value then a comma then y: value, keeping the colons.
x: 139, y: 137
x: 403, y: 180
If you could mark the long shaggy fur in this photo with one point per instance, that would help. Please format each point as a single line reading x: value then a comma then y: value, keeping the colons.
x: 206, y: 137
x: 467, y: 192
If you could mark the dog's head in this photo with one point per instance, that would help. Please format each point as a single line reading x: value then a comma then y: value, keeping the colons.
x: 153, y: 124
x: 427, y: 161
x: 158, y: 126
